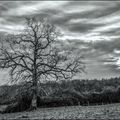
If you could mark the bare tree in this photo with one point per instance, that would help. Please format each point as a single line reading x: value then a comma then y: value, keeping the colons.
x: 33, y: 56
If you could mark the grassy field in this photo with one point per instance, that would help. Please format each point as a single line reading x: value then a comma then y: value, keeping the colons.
x: 111, y: 111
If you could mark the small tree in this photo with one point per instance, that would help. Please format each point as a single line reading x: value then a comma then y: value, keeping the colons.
x: 34, y: 55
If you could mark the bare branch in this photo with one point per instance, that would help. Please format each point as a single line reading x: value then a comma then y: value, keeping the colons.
x: 33, y: 54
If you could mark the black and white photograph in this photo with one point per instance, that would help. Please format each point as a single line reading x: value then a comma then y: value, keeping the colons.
x: 60, y: 60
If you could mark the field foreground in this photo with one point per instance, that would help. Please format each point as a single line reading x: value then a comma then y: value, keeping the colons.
x: 111, y: 111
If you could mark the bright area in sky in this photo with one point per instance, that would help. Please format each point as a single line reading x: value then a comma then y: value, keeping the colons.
x: 91, y: 27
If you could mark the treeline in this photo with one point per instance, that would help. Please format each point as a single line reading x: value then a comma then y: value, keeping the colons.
x: 63, y: 93
x: 90, y: 92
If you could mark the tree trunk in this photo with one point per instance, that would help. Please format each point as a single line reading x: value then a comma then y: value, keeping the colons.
x: 34, y: 99
x: 34, y: 102
x: 34, y: 94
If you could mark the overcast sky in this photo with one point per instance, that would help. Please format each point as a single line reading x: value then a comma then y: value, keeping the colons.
x: 93, y: 28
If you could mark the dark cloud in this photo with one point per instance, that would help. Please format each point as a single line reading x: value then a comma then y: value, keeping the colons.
x: 3, y: 8
x: 52, y: 11
x: 82, y: 28
x: 109, y: 9
x: 112, y: 32
x: 109, y: 60
x: 107, y: 46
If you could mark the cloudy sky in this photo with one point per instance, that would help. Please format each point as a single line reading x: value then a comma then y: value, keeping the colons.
x: 90, y: 27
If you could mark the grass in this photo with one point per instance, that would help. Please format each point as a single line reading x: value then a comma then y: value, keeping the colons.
x: 111, y: 111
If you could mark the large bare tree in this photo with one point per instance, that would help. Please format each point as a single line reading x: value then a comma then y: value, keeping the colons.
x: 33, y: 55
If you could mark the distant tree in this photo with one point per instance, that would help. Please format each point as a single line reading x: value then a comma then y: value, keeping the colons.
x: 34, y: 55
